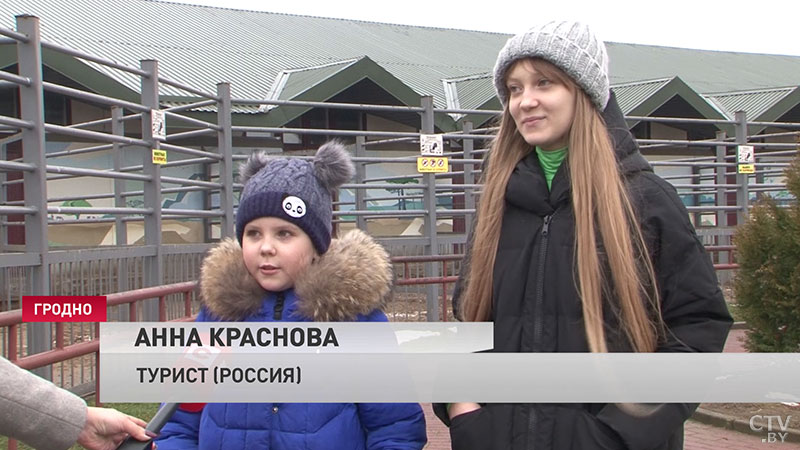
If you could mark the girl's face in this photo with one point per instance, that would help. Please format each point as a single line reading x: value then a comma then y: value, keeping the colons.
x: 276, y: 252
x: 541, y: 104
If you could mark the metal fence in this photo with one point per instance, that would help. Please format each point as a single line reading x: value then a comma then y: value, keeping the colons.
x: 435, y: 209
x: 74, y: 360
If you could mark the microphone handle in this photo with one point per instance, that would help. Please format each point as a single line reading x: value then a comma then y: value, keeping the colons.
x: 155, y: 425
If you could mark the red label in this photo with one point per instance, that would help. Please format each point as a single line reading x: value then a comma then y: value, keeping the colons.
x: 63, y: 308
x: 192, y: 407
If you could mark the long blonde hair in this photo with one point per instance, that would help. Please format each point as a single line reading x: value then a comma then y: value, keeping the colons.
x: 602, y: 209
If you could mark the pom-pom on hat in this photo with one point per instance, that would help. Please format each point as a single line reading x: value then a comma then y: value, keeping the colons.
x: 570, y: 46
x: 294, y: 190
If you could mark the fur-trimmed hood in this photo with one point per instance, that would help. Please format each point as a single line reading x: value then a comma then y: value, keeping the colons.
x: 353, y: 277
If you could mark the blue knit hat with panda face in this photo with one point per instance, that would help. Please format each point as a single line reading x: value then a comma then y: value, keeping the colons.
x: 294, y: 190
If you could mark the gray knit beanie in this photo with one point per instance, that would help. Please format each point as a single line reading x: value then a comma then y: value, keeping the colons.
x: 571, y: 46
x: 294, y: 190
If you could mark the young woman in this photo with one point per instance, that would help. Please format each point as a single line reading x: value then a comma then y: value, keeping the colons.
x: 590, y: 251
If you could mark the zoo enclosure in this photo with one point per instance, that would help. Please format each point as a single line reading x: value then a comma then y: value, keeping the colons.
x: 443, y: 204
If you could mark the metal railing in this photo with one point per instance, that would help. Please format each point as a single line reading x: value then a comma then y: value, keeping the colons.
x: 11, y: 321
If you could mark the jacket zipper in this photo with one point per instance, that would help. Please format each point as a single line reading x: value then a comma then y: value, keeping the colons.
x: 277, y: 313
x: 537, y: 330
x: 537, y: 316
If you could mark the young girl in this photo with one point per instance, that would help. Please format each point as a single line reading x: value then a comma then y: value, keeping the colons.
x: 590, y: 251
x: 288, y: 269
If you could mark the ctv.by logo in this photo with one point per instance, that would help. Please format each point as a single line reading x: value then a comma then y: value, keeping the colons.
x: 757, y: 424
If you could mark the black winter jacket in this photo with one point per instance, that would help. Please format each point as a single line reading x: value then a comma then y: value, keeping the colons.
x: 537, y: 309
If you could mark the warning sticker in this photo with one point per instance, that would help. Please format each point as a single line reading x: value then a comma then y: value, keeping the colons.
x: 159, y: 156
x: 746, y: 155
x: 747, y: 168
x: 159, y: 124
x: 431, y: 144
x: 429, y: 164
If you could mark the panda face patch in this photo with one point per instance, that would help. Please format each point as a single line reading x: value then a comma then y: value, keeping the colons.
x: 294, y: 206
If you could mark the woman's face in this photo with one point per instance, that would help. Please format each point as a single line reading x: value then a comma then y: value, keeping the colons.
x: 542, y: 106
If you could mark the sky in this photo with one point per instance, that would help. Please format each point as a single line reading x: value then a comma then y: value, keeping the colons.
x: 763, y: 26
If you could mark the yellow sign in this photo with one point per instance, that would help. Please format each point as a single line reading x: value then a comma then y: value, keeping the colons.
x: 159, y: 157
x: 747, y: 168
x: 430, y: 164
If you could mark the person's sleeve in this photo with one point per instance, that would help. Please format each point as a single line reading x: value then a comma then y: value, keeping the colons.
x: 440, y: 410
x: 692, y: 306
x: 38, y: 412
x: 182, y: 430
x: 395, y: 426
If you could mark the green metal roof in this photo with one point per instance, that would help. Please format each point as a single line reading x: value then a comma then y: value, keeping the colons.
x: 264, y: 55
x: 328, y: 83
x: 704, y: 70
x: 291, y: 82
x: 756, y: 103
x: 202, y: 46
x: 631, y: 95
x: 469, y: 92
x: 646, y: 97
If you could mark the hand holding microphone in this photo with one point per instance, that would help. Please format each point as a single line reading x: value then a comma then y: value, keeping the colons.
x: 133, y: 442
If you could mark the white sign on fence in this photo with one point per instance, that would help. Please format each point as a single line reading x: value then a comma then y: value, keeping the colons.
x: 746, y: 155
x: 159, y: 124
x: 431, y: 144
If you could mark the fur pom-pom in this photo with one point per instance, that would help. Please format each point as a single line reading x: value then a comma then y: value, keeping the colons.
x: 254, y: 163
x: 332, y: 165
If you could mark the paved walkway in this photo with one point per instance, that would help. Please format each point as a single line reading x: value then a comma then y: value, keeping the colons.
x: 699, y: 436
x: 735, y: 342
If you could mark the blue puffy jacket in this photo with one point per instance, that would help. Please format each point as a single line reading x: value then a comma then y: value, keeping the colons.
x: 228, y: 295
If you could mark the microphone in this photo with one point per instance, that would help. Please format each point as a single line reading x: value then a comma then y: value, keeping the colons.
x: 155, y: 425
